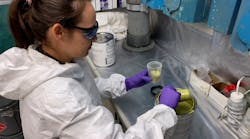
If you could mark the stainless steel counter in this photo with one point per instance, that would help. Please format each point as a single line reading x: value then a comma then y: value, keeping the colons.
x: 139, y: 100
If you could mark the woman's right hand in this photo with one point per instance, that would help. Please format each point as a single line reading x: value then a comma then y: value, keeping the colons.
x: 169, y: 96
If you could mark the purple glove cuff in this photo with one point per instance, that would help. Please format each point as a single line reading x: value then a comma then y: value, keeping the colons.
x: 128, y: 85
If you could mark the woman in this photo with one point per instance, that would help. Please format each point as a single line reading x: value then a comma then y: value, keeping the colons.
x: 58, y: 99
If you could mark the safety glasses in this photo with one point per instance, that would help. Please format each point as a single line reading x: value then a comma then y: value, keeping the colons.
x: 89, y: 33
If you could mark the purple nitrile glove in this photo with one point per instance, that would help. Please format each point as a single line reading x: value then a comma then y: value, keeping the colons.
x: 169, y: 96
x: 138, y: 80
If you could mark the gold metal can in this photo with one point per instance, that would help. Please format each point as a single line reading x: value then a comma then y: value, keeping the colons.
x: 185, y: 94
x: 186, y: 106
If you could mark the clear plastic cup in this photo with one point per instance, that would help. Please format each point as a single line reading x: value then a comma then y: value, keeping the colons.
x: 154, y: 70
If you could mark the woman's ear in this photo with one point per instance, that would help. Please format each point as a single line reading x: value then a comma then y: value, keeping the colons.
x: 56, y: 31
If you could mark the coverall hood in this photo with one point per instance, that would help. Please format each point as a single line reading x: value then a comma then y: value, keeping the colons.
x: 20, y: 73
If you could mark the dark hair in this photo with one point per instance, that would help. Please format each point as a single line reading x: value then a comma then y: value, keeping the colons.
x: 29, y: 23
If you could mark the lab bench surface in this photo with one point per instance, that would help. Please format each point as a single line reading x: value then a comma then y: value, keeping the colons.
x: 139, y: 100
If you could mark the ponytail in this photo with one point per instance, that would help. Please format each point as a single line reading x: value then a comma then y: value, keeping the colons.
x: 18, y: 17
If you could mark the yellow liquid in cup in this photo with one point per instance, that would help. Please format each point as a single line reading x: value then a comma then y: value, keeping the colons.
x: 155, y: 75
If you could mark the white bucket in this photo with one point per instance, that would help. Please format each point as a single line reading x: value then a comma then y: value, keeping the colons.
x: 102, y: 50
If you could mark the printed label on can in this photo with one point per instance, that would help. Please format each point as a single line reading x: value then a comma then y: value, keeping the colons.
x: 2, y: 127
x: 103, y: 53
x: 104, y: 4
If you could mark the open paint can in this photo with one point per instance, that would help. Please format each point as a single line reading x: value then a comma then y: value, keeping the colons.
x: 184, y: 111
x: 102, y: 50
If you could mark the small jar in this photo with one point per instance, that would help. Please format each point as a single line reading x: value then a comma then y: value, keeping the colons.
x: 236, y: 109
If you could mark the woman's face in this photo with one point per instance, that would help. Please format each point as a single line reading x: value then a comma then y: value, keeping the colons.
x: 68, y: 44
x: 77, y: 44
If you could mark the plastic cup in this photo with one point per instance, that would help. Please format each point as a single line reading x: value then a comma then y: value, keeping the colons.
x: 154, y: 70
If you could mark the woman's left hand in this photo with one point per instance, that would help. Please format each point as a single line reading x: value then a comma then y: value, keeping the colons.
x: 138, y: 80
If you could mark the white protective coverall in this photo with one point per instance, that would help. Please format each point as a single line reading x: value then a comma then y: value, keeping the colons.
x: 62, y: 101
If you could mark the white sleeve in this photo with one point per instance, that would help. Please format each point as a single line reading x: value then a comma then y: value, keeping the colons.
x: 154, y: 123
x: 114, y: 86
x: 68, y: 114
x: 96, y: 122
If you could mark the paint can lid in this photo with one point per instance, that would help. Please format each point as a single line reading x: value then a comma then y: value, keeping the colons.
x: 103, y: 37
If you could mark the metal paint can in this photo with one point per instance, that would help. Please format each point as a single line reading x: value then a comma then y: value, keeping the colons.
x: 185, y: 94
x: 103, y: 53
x: 185, y: 112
